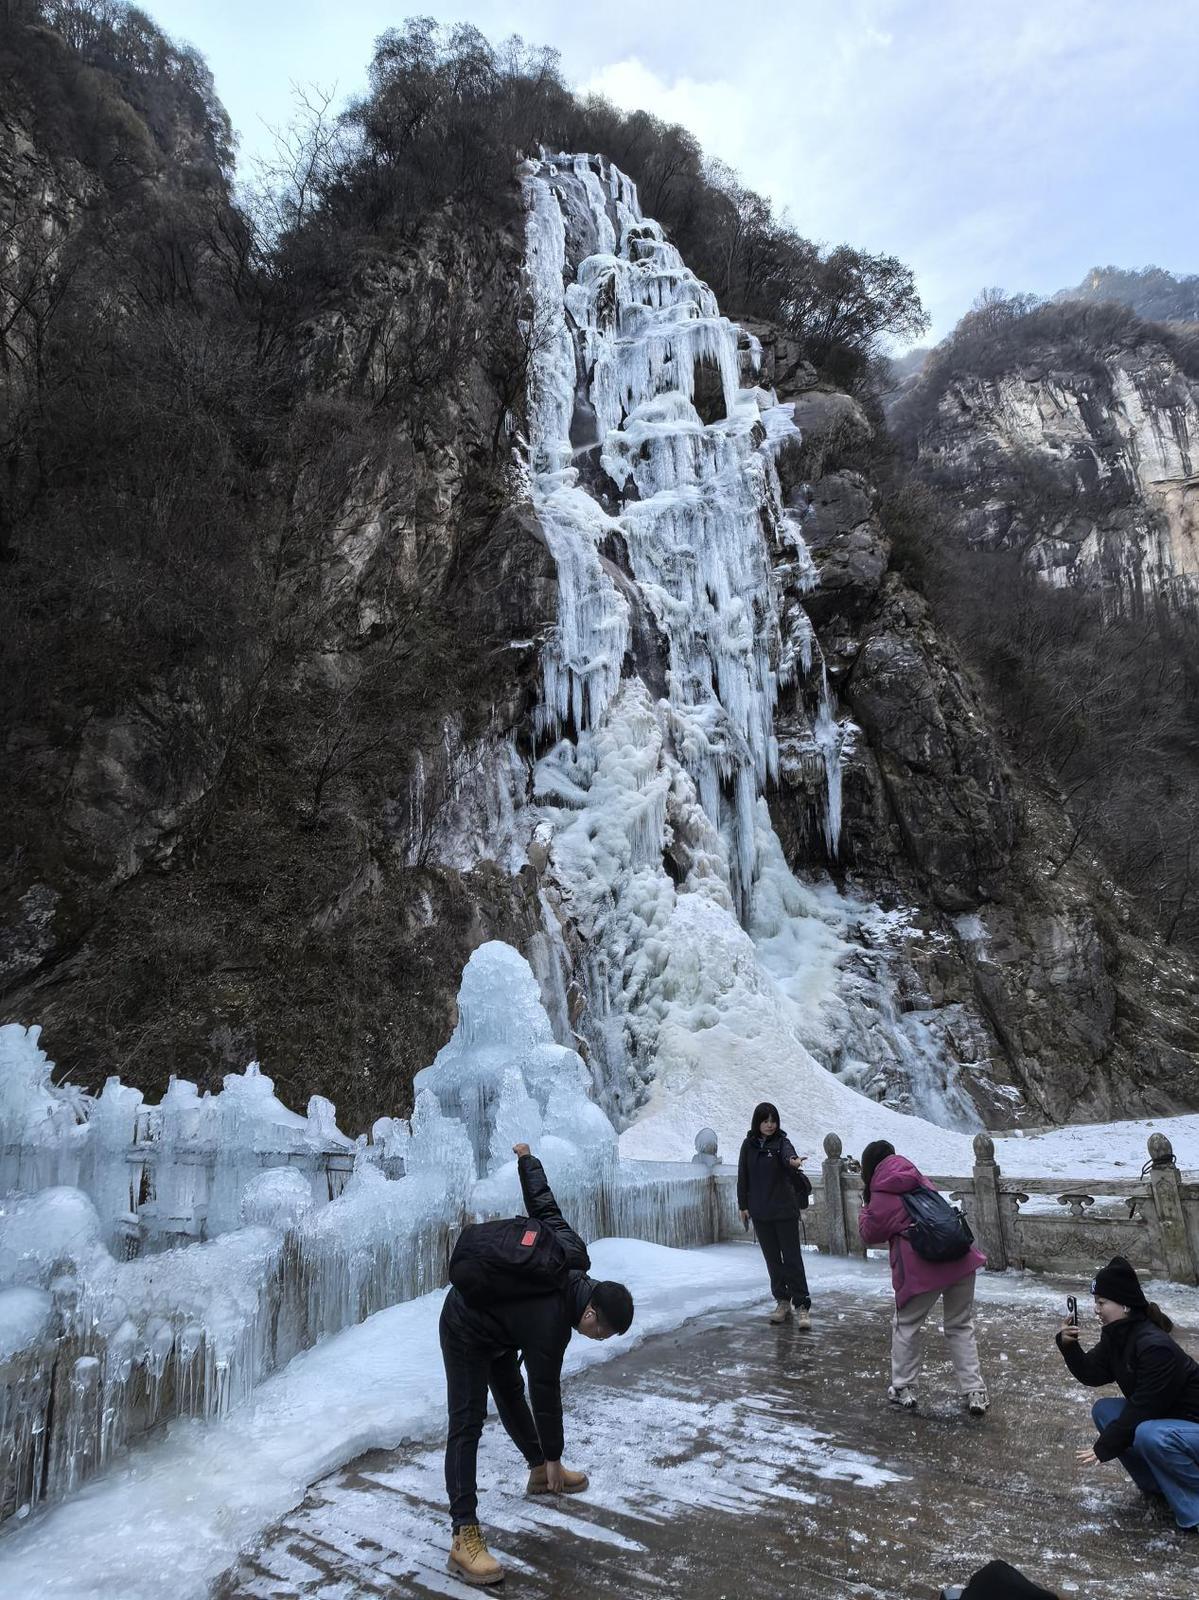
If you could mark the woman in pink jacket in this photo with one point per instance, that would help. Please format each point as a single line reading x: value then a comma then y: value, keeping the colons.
x: 919, y: 1284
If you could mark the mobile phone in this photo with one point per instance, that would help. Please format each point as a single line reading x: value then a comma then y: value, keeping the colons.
x: 1072, y: 1310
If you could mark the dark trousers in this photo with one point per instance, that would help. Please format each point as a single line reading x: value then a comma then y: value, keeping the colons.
x: 784, y: 1260
x: 469, y: 1372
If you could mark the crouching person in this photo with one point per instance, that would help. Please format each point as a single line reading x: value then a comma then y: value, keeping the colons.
x: 1154, y: 1430
x: 519, y: 1290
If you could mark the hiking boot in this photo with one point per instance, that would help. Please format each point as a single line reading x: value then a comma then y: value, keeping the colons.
x: 572, y: 1482
x: 471, y: 1560
x: 978, y: 1403
x: 781, y: 1312
x: 903, y: 1396
x: 803, y: 1318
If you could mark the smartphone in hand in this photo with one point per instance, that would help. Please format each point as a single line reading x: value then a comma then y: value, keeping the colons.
x: 1072, y: 1310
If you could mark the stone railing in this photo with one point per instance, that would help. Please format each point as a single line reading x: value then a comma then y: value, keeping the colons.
x: 1043, y: 1224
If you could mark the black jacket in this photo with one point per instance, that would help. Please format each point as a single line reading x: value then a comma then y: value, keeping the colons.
x: 540, y: 1327
x: 1156, y: 1376
x: 764, y: 1185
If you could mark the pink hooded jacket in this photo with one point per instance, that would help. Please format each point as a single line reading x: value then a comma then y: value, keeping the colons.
x: 884, y: 1221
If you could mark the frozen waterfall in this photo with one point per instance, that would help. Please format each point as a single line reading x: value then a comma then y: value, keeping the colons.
x: 712, y: 976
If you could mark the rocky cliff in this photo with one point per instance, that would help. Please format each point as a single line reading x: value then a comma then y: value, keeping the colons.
x: 270, y: 617
x: 1069, y: 433
x: 1020, y: 957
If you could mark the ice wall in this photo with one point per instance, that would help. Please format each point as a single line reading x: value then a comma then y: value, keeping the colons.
x: 708, y: 969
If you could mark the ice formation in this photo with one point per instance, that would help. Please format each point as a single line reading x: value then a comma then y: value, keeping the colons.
x: 710, y: 973
x: 221, y: 1234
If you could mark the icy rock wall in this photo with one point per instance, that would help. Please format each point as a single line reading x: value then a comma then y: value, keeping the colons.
x: 652, y: 457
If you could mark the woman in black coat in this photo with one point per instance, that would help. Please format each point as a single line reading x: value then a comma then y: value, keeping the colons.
x: 766, y: 1192
x: 1154, y: 1430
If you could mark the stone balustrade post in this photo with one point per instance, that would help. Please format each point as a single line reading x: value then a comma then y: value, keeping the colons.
x: 989, y: 1214
x: 836, y: 1232
x: 1165, y: 1182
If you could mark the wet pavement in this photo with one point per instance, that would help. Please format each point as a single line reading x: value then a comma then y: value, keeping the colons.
x: 734, y: 1458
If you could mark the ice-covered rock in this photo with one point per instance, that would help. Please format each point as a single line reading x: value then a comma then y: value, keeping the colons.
x: 43, y: 1232
x: 278, y: 1198
x: 26, y: 1316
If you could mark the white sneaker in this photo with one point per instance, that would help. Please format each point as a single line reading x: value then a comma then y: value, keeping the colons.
x: 978, y: 1402
x: 803, y: 1319
x: 781, y: 1312
x: 903, y: 1396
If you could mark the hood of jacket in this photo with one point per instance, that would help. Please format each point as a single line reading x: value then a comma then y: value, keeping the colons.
x: 896, y: 1175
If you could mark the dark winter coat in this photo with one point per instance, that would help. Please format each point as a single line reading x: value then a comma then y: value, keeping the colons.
x: 884, y: 1219
x: 1156, y: 1376
x: 539, y: 1327
x: 764, y: 1185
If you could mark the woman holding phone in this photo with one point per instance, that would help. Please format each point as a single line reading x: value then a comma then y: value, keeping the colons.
x: 767, y: 1193
x: 1154, y: 1430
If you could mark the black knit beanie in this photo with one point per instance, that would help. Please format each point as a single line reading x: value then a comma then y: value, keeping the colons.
x: 1118, y: 1282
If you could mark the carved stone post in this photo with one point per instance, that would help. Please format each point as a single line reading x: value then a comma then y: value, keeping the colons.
x: 1165, y: 1180
x: 989, y: 1215
x: 836, y: 1231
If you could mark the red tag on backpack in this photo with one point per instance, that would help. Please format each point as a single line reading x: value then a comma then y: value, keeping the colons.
x: 530, y: 1238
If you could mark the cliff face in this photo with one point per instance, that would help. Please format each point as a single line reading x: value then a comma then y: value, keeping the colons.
x: 256, y: 760
x: 1018, y: 954
x: 1083, y: 456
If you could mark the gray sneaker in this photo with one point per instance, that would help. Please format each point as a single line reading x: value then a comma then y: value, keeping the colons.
x: 903, y: 1396
x: 978, y: 1402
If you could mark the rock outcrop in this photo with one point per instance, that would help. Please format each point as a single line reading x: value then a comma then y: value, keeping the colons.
x: 1074, y: 443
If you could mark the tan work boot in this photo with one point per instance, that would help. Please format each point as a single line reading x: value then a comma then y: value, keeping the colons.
x: 781, y: 1312
x: 471, y: 1560
x: 572, y: 1482
x: 803, y: 1319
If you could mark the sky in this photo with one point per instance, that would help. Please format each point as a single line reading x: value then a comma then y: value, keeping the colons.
x: 987, y: 143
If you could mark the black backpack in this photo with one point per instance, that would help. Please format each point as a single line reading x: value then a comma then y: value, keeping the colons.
x: 802, y: 1185
x: 938, y: 1231
x: 512, y: 1259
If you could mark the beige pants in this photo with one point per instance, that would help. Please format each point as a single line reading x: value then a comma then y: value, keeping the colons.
x: 906, y: 1354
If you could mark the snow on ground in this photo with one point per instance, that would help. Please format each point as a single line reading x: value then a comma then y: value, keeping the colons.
x: 1100, y: 1149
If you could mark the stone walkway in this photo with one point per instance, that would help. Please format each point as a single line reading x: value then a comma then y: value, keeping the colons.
x: 738, y: 1459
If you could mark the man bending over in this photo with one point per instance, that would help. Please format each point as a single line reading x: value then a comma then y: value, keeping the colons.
x: 483, y: 1346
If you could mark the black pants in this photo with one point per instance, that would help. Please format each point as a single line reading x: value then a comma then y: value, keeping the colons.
x: 784, y: 1260
x: 469, y: 1372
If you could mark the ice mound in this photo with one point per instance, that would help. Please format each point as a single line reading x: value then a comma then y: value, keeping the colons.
x: 503, y: 1077
x: 24, y: 1319
x: 43, y: 1233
